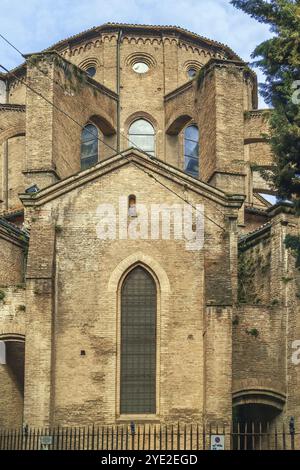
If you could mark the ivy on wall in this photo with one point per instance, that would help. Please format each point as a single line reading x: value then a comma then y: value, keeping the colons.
x: 253, y: 274
x: 73, y: 79
x: 292, y: 242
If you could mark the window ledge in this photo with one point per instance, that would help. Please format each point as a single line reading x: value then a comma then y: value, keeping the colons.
x: 138, y: 419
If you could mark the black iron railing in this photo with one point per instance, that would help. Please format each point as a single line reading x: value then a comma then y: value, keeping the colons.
x: 252, y: 436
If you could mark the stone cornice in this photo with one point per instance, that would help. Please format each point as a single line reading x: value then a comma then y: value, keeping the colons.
x: 257, y: 113
x: 214, y: 63
x: 281, y: 208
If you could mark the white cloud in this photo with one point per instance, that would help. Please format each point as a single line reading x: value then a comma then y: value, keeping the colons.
x: 36, y: 24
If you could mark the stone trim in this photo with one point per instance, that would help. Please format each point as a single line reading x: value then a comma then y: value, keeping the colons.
x: 9, y: 336
x: 163, y: 292
x: 259, y: 396
x: 14, y: 131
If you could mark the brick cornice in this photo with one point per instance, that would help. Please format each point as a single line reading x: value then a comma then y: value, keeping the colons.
x: 21, y: 108
x: 147, y: 164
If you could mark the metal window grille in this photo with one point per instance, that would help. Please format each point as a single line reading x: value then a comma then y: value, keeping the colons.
x: 138, y: 343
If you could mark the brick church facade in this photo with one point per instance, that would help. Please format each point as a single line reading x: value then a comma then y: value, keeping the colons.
x: 110, y: 330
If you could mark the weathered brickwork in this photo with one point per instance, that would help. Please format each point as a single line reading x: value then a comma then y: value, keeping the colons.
x: 227, y: 314
x: 12, y: 331
x: 92, y: 326
x: 12, y: 156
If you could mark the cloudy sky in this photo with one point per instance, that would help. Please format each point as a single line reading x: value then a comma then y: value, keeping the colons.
x: 33, y: 25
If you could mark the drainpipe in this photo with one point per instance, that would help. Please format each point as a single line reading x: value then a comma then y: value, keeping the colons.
x: 5, y: 156
x: 5, y: 173
x: 118, y: 89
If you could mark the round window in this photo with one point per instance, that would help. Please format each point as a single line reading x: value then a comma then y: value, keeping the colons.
x: 91, y: 71
x: 192, y: 73
x: 140, y: 67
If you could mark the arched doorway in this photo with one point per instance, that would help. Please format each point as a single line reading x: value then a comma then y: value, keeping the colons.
x: 138, y: 343
x: 253, y: 426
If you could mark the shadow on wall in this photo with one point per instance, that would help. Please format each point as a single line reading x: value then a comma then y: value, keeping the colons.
x: 12, y: 383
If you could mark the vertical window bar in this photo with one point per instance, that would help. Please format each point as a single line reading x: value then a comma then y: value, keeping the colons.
x: 138, y: 343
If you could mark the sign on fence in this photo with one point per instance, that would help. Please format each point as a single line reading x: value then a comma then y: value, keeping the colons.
x: 217, y: 442
x: 45, y: 442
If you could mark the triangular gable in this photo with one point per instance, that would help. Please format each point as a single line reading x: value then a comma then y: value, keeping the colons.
x: 148, y: 165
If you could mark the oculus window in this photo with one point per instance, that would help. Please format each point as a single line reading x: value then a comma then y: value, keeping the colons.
x: 140, y: 67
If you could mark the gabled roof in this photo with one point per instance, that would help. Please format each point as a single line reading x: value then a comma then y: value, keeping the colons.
x: 149, y: 165
x: 256, y: 232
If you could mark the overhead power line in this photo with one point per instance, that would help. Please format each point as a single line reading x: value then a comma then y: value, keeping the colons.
x: 101, y: 140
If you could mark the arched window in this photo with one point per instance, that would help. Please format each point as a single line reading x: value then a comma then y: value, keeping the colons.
x: 138, y: 343
x: 89, y: 146
x: 132, y: 206
x: 191, y: 150
x: 142, y: 135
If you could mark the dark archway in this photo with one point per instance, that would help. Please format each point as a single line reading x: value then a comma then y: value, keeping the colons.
x: 12, y: 381
x: 253, y: 426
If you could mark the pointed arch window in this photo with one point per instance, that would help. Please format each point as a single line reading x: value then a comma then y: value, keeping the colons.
x: 138, y: 343
x: 191, y: 150
x: 142, y: 135
x: 89, y: 146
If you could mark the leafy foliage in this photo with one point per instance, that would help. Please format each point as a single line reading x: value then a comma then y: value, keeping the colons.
x: 72, y: 78
x: 279, y: 59
x: 293, y: 243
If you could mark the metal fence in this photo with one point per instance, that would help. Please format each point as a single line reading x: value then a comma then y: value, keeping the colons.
x: 151, y: 437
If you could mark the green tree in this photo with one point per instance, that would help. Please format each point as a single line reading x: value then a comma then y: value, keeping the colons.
x: 279, y: 59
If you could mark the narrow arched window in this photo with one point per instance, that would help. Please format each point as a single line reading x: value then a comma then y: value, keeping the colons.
x: 138, y: 343
x: 132, y: 206
x: 89, y: 146
x: 142, y: 135
x: 191, y: 150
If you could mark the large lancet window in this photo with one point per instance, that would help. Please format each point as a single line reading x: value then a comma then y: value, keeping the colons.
x: 138, y: 343
x: 142, y: 135
x: 89, y: 146
x: 191, y: 150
